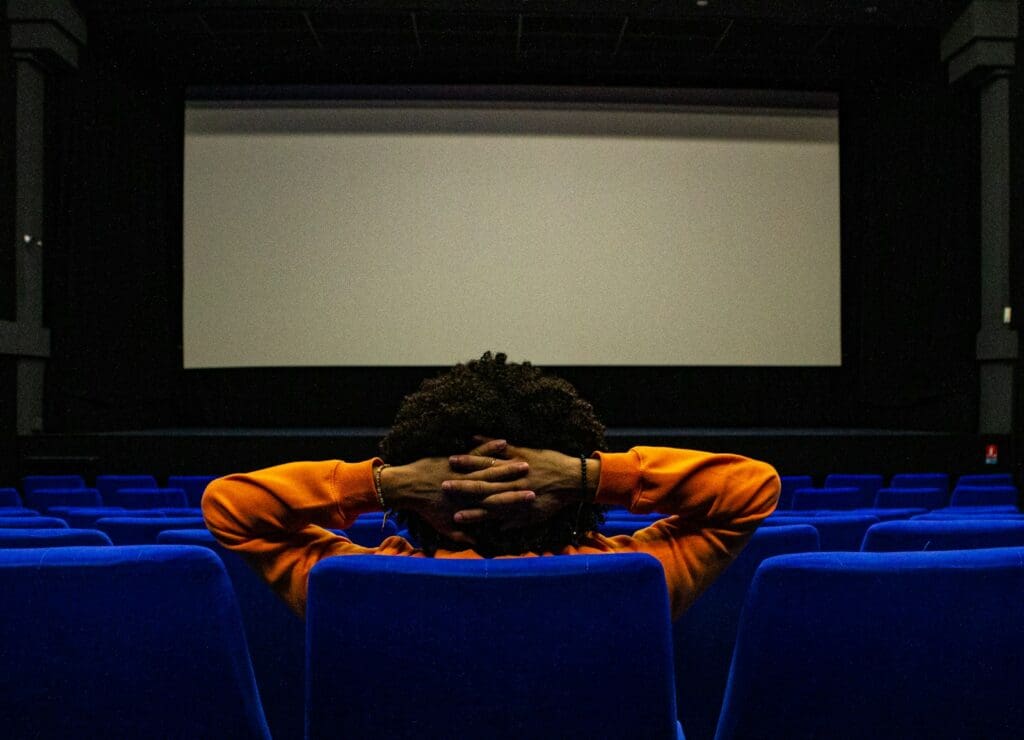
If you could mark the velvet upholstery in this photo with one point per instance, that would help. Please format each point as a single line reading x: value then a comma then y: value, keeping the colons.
x: 512, y: 648
x: 36, y: 522
x: 791, y: 483
x: 851, y: 646
x: 143, y: 530
x: 985, y: 479
x: 838, y: 532
x: 9, y: 498
x: 805, y: 499
x: 970, y: 534
x: 921, y: 480
x: 704, y: 636
x: 898, y: 498
x: 51, y: 538
x: 148, y: 498
x: 44, y: 499
x: 109, y: 484
x: 983, y: 496
x: 131, y: 643
x: 870, y: 483
x: 31, y: 482
x: 192, y: 485
x: 275, y: 635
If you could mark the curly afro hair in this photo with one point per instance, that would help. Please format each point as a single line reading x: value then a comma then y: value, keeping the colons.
x: 500, y: 399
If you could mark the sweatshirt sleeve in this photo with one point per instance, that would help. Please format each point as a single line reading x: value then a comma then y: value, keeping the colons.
x: 278, y: 518
x: 712, y: 502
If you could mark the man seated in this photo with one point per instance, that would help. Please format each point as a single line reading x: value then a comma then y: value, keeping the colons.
x: 497, y: 459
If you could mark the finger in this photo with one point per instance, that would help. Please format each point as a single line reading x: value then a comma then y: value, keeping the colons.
x: 470, y: 516
x: 483, y: 470
x: 458, y: 536
x: 489, y: 447
x: 509, y: 498
x: 480, y: 488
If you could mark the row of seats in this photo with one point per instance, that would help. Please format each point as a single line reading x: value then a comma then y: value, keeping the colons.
x: 924, y: 490
x: 40, y: 491
x: 499, y: 648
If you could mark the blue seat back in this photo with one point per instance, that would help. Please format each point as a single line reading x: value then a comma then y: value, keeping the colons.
x: 704, y: 636
x: 36, y: 522
x: 125, y: 642
x: 143, y: 530
x: 898, y: 498
x: 84, y: 517
x: 31, y: 482
x: 44, y: 499
x: 370, y: 531
x: 985, y: 479
x: 880, y: 645
x: 275, y: 634
x: 838, y: 532
x: 967, y: 513
x: 508, y: 648
x: 922, y: 534
x: 921, y: 480
x: 51, y: 537
x: 192, y: 485
x: 9, y: 498
x: 110, y: 484
x: 805, y: 499
x: 983, y: 496
x: 148, y: 498
x: 791, y: 483
x: 869, y: 483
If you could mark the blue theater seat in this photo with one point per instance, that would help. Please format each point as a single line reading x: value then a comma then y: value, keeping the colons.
x: 704, y: 636
x: 880, y: 645
x: 549, y: 647
x: 192, y: 485
x: 36, y: 522
x: 132, y: 643
x: 143, y: 530
x: 148, y: 498
x: 967, y: 513
x: 10, y: 511
x: 983, y: 496
x: 9, y: 498
x: 921, y: 480
x: 985, y: 479
x: 626, y: 526
x: 84, y: 517
x: 839, y: 531
x: 51, y: 538
x: 110, y: 484
x: 275, y: 635
x: 898, y: 498
x: 370, y: 531
x: 45, y: 499
x: 31, y: 482
x: 868, y: 483
x: 805, y: 499
x: 791, y: 483
x: 921, y: 534
x: 882, y: 515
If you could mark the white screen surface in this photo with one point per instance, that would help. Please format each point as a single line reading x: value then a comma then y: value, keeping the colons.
x: 356, y: 235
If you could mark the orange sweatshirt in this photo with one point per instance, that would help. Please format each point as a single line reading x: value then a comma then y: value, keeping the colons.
x: 278, y: 518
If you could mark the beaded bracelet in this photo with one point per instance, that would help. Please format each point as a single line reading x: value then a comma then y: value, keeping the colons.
x: 583, y: 478
x: 376, y: 484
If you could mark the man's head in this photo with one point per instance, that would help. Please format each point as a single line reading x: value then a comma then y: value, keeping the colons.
x: 495, y: 398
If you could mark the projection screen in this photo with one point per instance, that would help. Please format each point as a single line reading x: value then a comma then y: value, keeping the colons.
x: 369, y: 234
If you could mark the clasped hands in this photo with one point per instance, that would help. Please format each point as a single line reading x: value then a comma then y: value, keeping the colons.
x: 493, y: 482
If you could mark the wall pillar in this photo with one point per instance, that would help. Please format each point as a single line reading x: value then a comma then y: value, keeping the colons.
x: 980, y: 49
x: 45, y: 39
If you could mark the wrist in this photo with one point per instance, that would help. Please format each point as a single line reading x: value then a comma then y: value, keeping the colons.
x: 394, y: 486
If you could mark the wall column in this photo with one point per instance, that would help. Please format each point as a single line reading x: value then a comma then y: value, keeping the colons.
x: 979, y: 48
x: 45, y: 39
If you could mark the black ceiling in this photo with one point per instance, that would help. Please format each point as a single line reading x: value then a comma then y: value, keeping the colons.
x: 799, y: 43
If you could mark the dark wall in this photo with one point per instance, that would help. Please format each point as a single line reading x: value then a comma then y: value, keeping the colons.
x: 7, y: 292
x: 910, y: 286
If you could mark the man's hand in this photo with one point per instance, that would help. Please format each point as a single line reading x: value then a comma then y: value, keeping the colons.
x: 555, y: 479
x: 493, y: 483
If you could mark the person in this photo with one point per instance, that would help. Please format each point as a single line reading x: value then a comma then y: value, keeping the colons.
x: 496, y: 459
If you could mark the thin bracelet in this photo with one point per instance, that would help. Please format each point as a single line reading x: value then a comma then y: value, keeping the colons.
x: 585, y: 495
x: 377, y: 487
